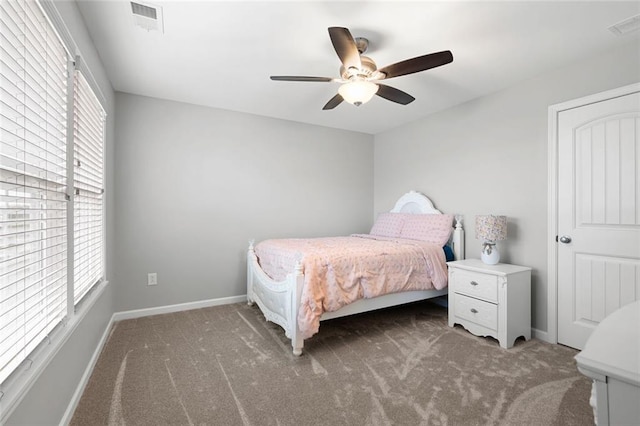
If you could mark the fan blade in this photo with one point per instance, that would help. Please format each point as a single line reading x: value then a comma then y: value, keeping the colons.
x: 420, y: 63
x: 300, y: 78
x: 345, y: 47
x: 394, y: 95
x: 333, y: 102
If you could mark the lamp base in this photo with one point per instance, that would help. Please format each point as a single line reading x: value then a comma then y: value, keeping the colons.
x: 490, y: 254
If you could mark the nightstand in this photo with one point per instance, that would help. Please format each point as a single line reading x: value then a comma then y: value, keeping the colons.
x: 490, y: 300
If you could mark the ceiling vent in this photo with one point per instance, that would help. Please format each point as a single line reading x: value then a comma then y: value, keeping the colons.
x: 147, y: 16
x: 626, y: 26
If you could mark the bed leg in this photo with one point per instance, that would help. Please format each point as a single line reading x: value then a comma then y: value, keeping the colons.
x: 297, y: 342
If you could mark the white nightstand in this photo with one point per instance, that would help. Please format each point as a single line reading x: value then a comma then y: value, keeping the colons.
x: 490, y: 300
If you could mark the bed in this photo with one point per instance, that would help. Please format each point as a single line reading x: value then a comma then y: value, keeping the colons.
x: 290, y: 286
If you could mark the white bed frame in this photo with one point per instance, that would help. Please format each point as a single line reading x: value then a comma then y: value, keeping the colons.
x: 279, y: 300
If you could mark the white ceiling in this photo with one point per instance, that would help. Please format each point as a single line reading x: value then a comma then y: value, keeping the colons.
x: 221, y: 53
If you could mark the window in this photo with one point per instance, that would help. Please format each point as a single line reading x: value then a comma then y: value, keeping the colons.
x: 33, y: 208
x: 38, y: 244
x: 88, y: 174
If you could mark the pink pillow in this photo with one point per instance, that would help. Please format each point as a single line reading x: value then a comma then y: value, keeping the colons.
x: 432, y: 228
x: 388, y: 225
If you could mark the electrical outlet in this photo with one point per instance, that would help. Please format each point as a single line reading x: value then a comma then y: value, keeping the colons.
x: 152, y: 278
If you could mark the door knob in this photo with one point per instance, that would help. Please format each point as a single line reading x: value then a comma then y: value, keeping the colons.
x: 565, y: 239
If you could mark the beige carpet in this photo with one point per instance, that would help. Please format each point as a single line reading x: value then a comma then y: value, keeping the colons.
x: 402, y: 366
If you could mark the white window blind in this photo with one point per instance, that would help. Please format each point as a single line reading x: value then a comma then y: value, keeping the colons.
x: 89, y: 117
x: 33, y: 230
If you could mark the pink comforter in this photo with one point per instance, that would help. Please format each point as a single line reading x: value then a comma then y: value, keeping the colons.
x: 341, y: 270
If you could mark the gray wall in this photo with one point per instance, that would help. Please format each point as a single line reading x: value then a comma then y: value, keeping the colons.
x: 187, y: 186
x: 48, y: 398
x: 194, y: 184
x: 490, y: 156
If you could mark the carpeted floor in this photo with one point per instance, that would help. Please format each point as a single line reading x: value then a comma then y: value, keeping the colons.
x: 226, y: 365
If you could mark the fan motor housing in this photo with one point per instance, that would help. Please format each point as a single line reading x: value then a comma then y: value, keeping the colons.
x: 368, y: 69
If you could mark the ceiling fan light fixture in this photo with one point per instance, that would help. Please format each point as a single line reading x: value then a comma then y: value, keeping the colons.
x: 358, y: 92
x: 359, y: 74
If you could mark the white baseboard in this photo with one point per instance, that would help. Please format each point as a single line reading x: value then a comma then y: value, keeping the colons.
x: 71, y: 408
x: 137, y: 313
x: 541, y: 335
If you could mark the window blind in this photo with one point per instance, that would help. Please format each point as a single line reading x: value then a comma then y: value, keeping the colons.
x: 88, y: 136
x: 33, y: 230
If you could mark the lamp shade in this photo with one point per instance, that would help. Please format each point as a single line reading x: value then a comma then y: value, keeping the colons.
x: 358, y: 92
x: 491, y: 228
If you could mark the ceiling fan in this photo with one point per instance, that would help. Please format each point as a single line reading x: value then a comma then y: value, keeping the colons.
x: 359, y: 75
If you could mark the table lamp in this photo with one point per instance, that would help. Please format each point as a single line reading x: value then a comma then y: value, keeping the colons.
x: 490, y: 229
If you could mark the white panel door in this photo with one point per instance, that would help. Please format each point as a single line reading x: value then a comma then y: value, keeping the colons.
x: 598, y: 214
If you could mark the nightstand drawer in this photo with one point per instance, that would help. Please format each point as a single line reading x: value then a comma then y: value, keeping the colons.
x: 483, y: 286
x: 477, y: 311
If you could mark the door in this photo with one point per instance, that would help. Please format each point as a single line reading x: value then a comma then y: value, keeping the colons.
x: 598, y: 214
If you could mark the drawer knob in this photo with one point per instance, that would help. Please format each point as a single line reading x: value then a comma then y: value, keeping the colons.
x: 474, y: 310
x: 473, y: 283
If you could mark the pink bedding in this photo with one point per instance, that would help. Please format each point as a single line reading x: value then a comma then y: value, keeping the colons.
x: 341, y: 270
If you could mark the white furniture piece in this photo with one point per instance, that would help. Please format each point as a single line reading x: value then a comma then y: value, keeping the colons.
x: 279, y: 301
x: 611, y: 358
x: 490, y: 300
